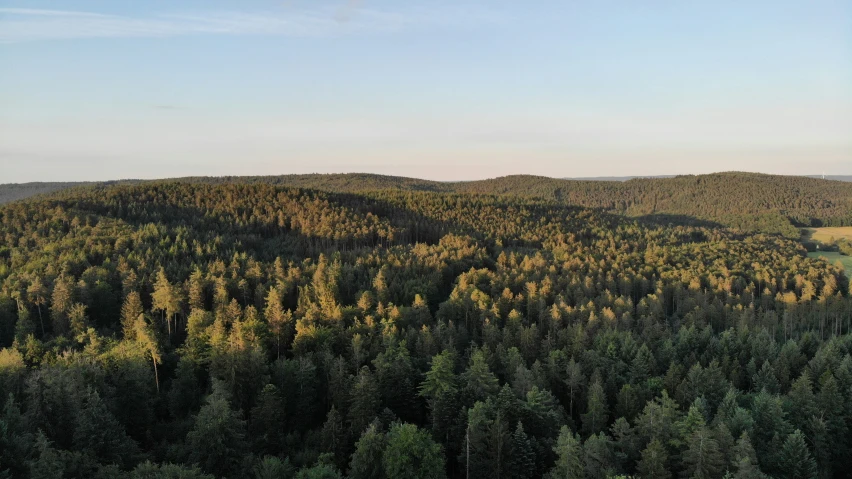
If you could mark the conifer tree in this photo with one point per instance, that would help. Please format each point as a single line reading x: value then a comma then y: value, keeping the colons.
x: 569, y: 452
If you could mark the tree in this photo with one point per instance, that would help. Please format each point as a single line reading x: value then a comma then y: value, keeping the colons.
x: 130, y: 312
x: 37, y: 294
x: 217, y: 439
x: 98, y: 433
x: 266, y: 426
x: 366, y: 462
x: 364, y: 401
x: 569, y: 456
x: 147, y: 339
x: 598, y: 457
x: 480, y: 382
x: 319, y: 471
x: 574, y: 380
x: 276, y: 316
x: 271, y: 467
x: 334, y: 437
x: 412, y: 453
x: 745, y: 460
x: 522, y: 458
x: 166, y: 298
x: 702, y: 458
x: 795, y: 459
x: 487, y: 445
x: 60, y: 303
x: 653, y: 464
x: 596, y: 416
x: 149, y: 470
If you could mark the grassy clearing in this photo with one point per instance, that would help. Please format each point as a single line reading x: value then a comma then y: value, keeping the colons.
x: 823, y: 235
x: 833, y: 257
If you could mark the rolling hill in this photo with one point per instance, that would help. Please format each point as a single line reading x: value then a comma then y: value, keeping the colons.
x: 748, y: 201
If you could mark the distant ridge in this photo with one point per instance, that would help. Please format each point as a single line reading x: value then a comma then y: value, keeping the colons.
x: 615, y: 178
x: 747, y: 201
x: 627, y: 178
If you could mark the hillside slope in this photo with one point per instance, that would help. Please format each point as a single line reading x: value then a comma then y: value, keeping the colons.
x: 748, y: 201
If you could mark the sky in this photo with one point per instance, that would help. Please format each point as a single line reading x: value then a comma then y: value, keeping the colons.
x: 436, y: 89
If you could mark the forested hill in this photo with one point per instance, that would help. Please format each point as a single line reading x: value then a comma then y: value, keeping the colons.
x: 748, y: 201
x: 253, y: 331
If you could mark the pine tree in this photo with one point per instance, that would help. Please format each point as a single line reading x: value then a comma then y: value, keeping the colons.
x: 575, y: 381
x: 598, y: 457
x: 147, y: 339
x: 653, y: 464
x: 596, y: 416
x: 795, y: 459
x: 702, y: 458
x: 364, y: 401
x: 130, y: 312
x: 522, y: 460
x: 745, y: 460
x: 98, y: 433
x: 480, y: 382
x: 366, y: 462
x: 60, y: 303
x: 569, y: 452
x: 217, y: 439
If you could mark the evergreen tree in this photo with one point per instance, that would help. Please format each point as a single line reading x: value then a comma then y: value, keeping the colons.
x: 130, y: 312
x: 411, y: 453
x: 796, y: 461
x: 653, y: 464
x: 522, y: 460
x: 596, y: 416
x: 569, y: 452
x: 745, y: 460
x: 366, y: 462
x: 702, y: 458
x: 217, y: 439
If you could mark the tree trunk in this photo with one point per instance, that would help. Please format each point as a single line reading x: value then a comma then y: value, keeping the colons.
x: 156, y: 375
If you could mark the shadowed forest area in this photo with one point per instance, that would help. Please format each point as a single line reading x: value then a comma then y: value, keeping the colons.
x: 335, y: 326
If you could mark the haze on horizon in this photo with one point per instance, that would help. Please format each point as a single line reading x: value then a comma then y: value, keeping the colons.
x: 470, y: 89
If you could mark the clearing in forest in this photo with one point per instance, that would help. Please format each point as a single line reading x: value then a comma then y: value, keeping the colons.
x: 824, y: 235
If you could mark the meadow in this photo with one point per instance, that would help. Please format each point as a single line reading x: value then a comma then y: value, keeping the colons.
x: 825, y: 235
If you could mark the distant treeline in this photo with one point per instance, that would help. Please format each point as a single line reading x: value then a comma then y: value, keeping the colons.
x: 746, y: 201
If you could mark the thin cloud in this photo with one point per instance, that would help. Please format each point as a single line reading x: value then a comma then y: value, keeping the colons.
x: 48, y: 13
x: 25, y: 25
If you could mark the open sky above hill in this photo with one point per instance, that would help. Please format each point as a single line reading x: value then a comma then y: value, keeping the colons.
x: 469, y: 89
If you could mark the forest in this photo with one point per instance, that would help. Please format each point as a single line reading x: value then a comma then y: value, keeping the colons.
x: 750, y: 202
x: 352, y: 326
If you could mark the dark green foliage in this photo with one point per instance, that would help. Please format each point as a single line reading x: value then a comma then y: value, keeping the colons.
x: 569, y: 456
x: 217, y: 440
x: 148, y: 470
x: 366, y: 461
x: 654, y: 462
x: 795, y: 460
x: 411, y: 452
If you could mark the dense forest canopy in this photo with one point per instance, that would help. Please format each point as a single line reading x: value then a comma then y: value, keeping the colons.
x: 265, y: 328
x: 748, y: 201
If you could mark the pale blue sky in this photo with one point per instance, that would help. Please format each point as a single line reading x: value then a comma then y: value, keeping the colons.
x: 440, y: 89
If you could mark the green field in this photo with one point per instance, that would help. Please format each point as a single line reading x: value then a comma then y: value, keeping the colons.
x: 833, y: 257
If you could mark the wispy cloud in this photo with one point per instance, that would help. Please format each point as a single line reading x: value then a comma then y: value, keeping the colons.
x: 25, y: 24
